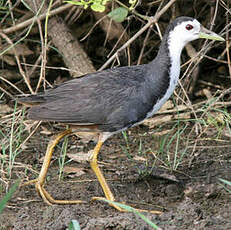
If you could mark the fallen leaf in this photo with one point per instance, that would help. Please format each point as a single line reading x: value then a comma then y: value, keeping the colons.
x: 167, y: 105
x: 162, y: 119
x: 4, y: 109
x: 73, y: 171
x: 9, y: 60
x: 80, y: 157
x: 161, y: 133
x: 138, y: 158
x: 21, y: 49
x: 10, y: 74
x: 86, y: 137
x: 45, y: 131
x: 29, y: 125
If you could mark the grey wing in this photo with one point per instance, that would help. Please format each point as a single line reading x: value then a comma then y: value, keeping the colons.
x: 111, y: 99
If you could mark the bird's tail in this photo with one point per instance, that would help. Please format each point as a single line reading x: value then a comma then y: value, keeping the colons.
x: 30, y: 100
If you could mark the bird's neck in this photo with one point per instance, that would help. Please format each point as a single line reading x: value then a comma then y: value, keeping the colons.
x: 170, y: 51
x: 175, y: 47
x: 165, y: 71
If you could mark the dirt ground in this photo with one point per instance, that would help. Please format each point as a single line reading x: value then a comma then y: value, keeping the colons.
x: 168, y: 168
x: 190, y: 197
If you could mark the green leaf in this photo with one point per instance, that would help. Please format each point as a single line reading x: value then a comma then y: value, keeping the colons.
x: 118, y: 14
x: 104, y: 2
x: 8, y: 195
x: 75, y: 3
x: 74, y: 225
x: 97, y: 7
x: 130, y: 209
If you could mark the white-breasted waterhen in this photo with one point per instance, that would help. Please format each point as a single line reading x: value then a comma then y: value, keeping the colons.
x: 113, y: 100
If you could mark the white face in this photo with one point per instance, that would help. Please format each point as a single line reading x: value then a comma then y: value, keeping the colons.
x: 182, y: 34
x: 186, y: 31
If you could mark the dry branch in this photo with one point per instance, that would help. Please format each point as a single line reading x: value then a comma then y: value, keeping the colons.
x: 151, y: 21
x: 73, y: 54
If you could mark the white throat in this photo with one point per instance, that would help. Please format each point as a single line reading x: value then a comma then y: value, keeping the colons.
x: 178, y: 37
x: 175, y: 48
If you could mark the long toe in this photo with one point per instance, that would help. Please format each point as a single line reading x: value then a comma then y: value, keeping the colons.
x: 50, y: 200
x: 116, y: 205
x: 30, y: 182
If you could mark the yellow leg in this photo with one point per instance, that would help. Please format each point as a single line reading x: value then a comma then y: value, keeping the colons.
x: 108, y: 194
x: 100, y: 177
x: 39, y: 182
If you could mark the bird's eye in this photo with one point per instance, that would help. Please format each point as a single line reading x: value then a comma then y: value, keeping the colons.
x: 189, y: 27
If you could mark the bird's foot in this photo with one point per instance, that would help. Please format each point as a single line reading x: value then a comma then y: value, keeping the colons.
x: 47, y: 198
x: 116, y: 205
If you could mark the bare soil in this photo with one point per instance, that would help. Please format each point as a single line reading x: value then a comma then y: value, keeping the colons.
x: 139, y: 170
x: 190, y: 197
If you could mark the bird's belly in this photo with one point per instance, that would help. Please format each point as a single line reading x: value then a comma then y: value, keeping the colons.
x: 167, y: 95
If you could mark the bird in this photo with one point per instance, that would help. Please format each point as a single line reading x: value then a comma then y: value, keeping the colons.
x: 113, y: 100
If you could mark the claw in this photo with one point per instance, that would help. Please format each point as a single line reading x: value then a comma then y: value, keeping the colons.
x: 39, y: 182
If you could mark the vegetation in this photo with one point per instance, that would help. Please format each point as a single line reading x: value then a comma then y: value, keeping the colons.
x: 191, y: 133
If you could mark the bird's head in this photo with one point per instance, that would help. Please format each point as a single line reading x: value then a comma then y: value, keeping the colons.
x: 186, y: 29
x: 183, y: 30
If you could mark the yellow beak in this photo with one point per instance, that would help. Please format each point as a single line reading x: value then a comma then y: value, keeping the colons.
x: 207, y: 34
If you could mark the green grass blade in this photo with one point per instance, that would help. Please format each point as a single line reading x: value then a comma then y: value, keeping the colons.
x: 74, y: 225
x: 8, y: 195
x: 225, y: 181
x: 130, y: 209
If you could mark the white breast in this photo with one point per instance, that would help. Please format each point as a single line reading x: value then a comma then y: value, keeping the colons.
x: 175, y: 48
x: 174, y: 76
